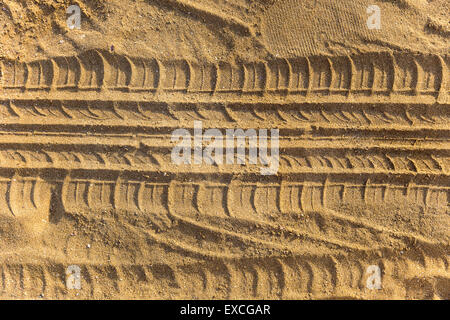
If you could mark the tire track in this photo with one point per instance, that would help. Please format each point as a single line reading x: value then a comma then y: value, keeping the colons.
x: 365, y: 75
x: 154, y: 156
x: 253, y: 237
x: 138, y: 116
x: 307, y: 276
x: 30, y: 195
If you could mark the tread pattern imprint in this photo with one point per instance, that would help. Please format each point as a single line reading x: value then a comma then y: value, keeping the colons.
x: 363, y: 179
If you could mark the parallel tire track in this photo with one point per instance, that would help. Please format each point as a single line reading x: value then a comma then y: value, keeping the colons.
x: 364, y: 131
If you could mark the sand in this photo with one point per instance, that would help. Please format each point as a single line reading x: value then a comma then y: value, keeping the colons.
x: 87, y: 179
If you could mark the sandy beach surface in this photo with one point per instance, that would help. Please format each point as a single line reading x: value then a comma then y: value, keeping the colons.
x: 358, y: 205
